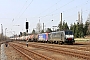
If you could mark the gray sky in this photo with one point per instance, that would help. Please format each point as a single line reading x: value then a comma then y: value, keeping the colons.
x: 15, y: 12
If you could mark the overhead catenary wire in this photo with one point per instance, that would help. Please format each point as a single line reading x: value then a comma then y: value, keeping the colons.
x: 56, y: 9
x: 52, y: 11
x: 26, y: 8
x: 49, y: 7
x: 67, y: 9
x: 75, y: 8
x: 60, y: 7
x: 22, y: 8
x: 50, y: 14
x: 71, y: 10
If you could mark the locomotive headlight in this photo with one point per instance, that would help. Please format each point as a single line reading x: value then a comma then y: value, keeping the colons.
x: 69, y: 36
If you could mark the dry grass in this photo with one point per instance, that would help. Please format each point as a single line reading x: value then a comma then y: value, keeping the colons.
x: 88, y: 37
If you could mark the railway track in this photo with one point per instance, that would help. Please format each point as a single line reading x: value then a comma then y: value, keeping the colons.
x: 87, y: 48
x: 84, y: 48
x: 31, y: 55
x: 64, y: 50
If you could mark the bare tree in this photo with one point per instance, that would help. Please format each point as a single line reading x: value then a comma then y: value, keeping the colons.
x: 39, y: 27
x: 89, y: 28
x: 88, y: 20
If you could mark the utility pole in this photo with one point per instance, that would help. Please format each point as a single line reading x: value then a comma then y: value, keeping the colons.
x: 52, y: 27
x: 43, y: 27
x: 61, y: 22
x: 27, y: 26
x: 1, y: 32
x: 81, y: 17
x: 39, y: 24
x: 5, y: 33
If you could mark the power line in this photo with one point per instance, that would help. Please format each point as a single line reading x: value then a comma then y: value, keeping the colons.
x: 22, y: 8
x: 56, y: 9
x: 50, y: 7
x: 75, y: 8
x: 61, y: 7
x: 67, y: 9
x: 26, y: 8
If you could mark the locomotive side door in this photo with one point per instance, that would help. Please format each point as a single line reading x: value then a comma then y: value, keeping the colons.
x: 62, y: 36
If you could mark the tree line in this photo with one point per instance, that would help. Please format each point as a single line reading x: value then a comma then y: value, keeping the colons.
x: 2, y: 37
x: 79, y: 29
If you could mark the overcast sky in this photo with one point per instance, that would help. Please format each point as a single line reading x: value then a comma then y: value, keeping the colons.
x: 15, y: 12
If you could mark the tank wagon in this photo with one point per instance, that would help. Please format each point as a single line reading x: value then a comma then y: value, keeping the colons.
x: 33, y: 37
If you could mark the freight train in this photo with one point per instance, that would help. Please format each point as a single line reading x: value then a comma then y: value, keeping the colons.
x: 59, y: 37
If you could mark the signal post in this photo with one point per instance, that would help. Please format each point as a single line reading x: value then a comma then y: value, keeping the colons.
x: 27, y: 27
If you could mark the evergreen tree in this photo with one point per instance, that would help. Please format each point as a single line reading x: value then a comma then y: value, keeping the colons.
x: 33, y: 32
x: 48, y: 30
x: 86, y: 32
x: 81, y: 29
x: 24, y: 33
x: 42, y: 31
x: 60, y: 26
x: 77, y: 31
x: 71, y: 27
x: 64, y: 26
x: 20, y: 33
x: 74, y: 29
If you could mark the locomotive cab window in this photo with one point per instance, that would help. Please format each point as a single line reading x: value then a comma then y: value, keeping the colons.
x: 68, y: 33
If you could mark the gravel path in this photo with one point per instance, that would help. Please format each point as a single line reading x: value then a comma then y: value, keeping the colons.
x: 12, y: 54
x: 3, y: 55
x: 8, y: 53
